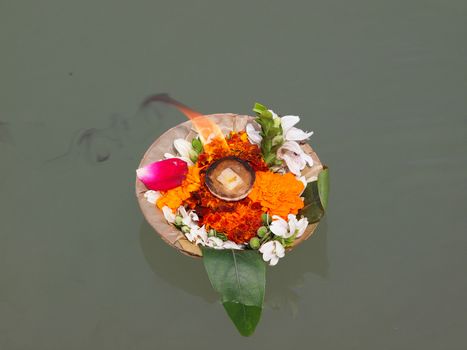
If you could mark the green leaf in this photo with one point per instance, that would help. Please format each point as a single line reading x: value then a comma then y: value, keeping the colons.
x: 244, y: 317
x: 323, y: 186
x: 316, y: 197
x: 277, y: 140
x: 270, y: 158
x: 197, y: 145
x: 266, y: 146
x: 240, y: 278
x: 259, y: 108
x: 262, y: 111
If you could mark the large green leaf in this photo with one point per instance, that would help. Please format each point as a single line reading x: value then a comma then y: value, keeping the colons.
x: 240, y: 278
x: 316, y: 197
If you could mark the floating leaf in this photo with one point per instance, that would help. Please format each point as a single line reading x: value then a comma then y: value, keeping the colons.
x: 316, y: 197
x: 240, y: 277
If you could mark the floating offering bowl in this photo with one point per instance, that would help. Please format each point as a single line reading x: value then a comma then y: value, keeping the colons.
x: 218, y: 178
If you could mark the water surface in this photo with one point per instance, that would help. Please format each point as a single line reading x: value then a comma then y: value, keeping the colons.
x: 382, y: 84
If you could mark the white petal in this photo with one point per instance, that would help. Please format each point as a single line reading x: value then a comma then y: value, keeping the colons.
x: 294, y: 134
x: 293, y: 163
x: 168, y: 214
x: 302, y: 224
x: 268, y: 256
x: 185, y: 159
x: 231, y: 245
x: 307, y: 159
x: 194, y: 216
x: 187, y: 221
x: 215, y: 242
x: 292, y: 225
x: 200, y: 241
x: 267, y: 247
x: 274, y: 261
x: 253, y: 134
x: 279, y: 227
x: 152, y: 196
x: 291, y: 146
x: 277, y: 217
x: 183, y: 147
x: 202, y: 233
x: 190, y: 236
x: 182, y: 211
x: 288, y: 121
x: 279, y: 249
x: 294, y: 156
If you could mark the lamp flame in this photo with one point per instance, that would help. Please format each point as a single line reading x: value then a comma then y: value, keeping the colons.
x: 206, y: 128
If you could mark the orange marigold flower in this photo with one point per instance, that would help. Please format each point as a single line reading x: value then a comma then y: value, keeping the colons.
x: 273, y: 193
x: 239, y: 146
x: 239, y: 225
x: 278, y: 194
x: 177, y: 196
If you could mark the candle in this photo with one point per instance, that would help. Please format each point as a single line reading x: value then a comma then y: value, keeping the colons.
x: 230, y: 178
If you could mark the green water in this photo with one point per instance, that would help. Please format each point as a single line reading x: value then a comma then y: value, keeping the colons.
x: 382, y: 83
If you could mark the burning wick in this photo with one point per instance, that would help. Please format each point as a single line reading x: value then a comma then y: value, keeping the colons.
x: 230, y: 178
x: 206, y: 128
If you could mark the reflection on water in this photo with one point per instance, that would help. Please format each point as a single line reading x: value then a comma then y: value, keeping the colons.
x: 178, y: 270
x: 283, y: 280
x: 286, y: 278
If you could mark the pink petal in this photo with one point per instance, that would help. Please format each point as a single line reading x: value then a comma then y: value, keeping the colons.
x: 163, y: 175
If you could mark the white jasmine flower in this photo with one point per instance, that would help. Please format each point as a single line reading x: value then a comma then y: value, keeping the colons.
x: 285, y: 229
x: 198, y: 235
x: 253, y: 134
x: 202, y: 235
x: 279, y: 227
x: 290, y: 132
x: 290, y: 152
x: 215, y: 242
x: 184, y: 149
x: 294, y: 156
x: 168, y: 214
x: 231, y: 245
x: 272, y: 251
x: 298, y: 227
x: 152, y: 196
x: 188, y: 218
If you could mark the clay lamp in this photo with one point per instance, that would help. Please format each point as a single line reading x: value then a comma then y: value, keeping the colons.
x: 230, y: 178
